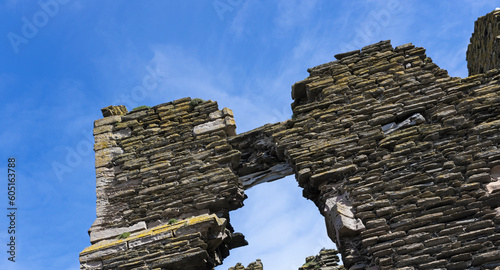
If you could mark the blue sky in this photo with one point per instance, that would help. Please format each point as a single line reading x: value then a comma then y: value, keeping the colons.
x: 64, y: 60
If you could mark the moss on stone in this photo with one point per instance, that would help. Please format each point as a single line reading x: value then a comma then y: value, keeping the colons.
x: 141, y: 107
x: 172, y: 221
x: 196, y: 101
x: 123, y: 235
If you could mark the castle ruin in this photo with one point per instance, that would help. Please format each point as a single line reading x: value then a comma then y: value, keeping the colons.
x: 402, y: 160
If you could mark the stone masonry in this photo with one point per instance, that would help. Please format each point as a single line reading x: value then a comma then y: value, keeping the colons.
x: 327, y: 259
x: 484, y: 48
x: 401, y: 159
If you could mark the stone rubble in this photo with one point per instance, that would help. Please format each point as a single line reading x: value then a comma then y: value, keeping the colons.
x: 257, y: 265
x: 327, y: 259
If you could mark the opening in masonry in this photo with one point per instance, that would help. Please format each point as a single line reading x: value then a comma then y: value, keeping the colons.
x: 282, y: 227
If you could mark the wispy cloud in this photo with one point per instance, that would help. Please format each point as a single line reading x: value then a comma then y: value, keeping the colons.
x: 187, y: 76
x: 295, y: 12
x: 478, y: 6
x: 243, y: 14
x: 453, y: 61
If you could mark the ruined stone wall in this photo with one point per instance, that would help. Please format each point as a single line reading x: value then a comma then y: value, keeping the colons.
x: 155, y: 166
x: 401, y: 159
x: 483, y: 52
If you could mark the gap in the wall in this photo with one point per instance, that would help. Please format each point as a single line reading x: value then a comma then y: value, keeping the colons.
x: 282, y: 227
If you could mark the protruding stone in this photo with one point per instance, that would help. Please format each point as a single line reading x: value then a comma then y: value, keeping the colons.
x: 227, y: 124
x: 274, y: 173
x: 114, y: 110
x: 340, y: 219
x: 107, y: 120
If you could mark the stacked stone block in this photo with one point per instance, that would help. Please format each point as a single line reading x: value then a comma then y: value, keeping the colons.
x: 483, y: 52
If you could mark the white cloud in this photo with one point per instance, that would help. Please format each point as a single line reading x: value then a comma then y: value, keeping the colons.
x: 243, y: 14
x: 185, y: 76
x: 453, y: 61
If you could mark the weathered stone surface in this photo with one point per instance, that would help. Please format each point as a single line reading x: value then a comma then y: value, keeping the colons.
x: 486, y: 257
x: 493, y: 186
x: 274, y: 173
x: 104, y: 157
x: 222, y: 120
x: 108, y: 120
x: 340, y: 219
x: 114, y: 110
x: 115, y: 232
x: 327, y: 259
x: 483, y: 44
x: 197, y: 232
